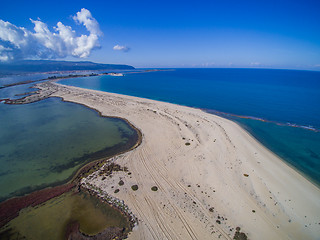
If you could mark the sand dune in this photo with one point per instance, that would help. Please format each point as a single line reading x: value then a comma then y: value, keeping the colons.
x: 211, y: 175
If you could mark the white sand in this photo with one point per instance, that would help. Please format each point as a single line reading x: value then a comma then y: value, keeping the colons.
x: 286, y: 205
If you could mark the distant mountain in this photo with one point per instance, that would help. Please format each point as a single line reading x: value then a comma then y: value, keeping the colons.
x: 28, y: 66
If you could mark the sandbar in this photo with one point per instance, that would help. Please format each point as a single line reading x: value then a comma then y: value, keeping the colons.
x: 212, y: 177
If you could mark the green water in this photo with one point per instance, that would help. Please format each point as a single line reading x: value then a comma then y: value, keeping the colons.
x: 298, y: 147
x: 50, y: 220
x: 44, y: 143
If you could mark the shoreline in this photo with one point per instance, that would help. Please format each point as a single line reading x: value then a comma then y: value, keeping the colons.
x: 10, y: 207
x: 93, y: 159
x: 309, y: 179
x: 213, y: 178
x: 223, y: 115
x: 268, y: 204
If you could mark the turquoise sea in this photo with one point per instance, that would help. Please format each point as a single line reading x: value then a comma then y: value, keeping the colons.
x: 280, y: 108
x: 44, y: 143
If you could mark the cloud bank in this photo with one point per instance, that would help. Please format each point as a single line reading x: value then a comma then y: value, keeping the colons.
x: 19, y: 43
x: 121, y: 48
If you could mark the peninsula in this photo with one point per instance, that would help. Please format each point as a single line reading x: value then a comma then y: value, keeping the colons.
x: 198, y: 176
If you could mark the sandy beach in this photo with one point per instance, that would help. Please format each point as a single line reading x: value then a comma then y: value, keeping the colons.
x: 211, y: 175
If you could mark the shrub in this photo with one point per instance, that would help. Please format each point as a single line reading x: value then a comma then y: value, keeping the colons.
x: 134, y: 187
x: 154, y: 188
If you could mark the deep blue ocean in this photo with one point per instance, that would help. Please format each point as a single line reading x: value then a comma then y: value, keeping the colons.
x: 287, y: 101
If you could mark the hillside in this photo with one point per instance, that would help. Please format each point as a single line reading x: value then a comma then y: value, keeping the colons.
x: 28, y: 66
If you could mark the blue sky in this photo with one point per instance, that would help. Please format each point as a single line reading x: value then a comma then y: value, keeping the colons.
x: 273, y: 34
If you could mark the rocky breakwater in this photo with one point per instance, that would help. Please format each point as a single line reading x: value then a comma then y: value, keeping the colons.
x: 107, y: 169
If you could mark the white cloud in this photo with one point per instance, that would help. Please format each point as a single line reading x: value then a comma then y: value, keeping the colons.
x: 20, y: 43
x: 84, y: 17
x: 121, y: 48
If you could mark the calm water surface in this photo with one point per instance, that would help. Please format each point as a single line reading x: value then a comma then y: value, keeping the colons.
x: 50, y: 220
x: 44, y: 143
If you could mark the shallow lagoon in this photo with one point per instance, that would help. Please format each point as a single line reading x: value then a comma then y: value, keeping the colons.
x: 44, y: 143
x: 51, y: 219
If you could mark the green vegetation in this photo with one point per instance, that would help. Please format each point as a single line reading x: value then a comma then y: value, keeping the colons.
x: 134, y: 187
x: 154, y: 188
x: 239, y: 235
